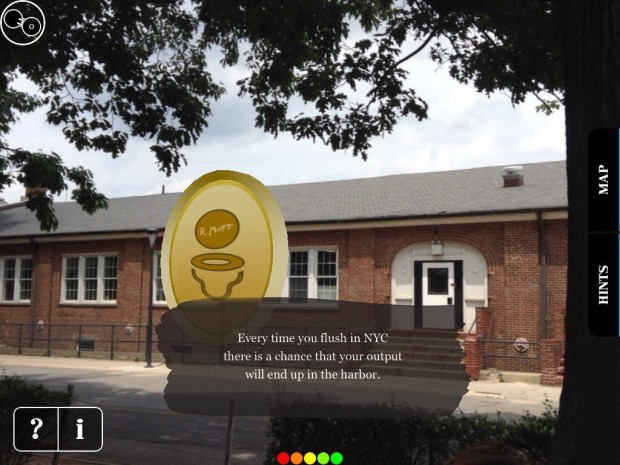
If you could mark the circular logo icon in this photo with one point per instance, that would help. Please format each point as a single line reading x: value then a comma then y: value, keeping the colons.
x: 22, y: 22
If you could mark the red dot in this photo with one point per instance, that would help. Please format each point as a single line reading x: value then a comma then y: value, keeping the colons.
x: 283, y: 458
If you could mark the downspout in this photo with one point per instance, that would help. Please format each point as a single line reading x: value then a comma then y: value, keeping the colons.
x: 542, y: 260
x: 33, y: 288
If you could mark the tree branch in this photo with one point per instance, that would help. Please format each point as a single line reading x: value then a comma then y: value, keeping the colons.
x: 432, y: 34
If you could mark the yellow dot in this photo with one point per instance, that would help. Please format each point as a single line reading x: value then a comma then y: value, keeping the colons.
x: 217, y: 229
x: 296, y: 458
x: 309, y: 457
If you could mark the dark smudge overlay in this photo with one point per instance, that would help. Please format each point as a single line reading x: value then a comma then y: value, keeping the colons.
x: 210, y: 367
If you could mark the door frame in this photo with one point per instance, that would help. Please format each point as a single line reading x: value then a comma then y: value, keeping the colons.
x: 417, y: 292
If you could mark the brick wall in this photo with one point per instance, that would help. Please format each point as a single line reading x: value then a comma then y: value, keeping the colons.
x: 512, y: 253
x: 131, y: 306
x: 365, y: 260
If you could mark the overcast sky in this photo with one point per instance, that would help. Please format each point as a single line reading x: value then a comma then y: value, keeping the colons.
x: 465, y: 129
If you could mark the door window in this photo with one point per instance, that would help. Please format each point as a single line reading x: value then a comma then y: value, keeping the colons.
x: 437, y: 281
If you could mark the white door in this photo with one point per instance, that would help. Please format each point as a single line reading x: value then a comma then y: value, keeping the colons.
x: 437, y: 284
x: 438, y: 295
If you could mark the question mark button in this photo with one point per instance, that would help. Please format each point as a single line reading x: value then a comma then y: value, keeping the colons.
x: 35, y: 429
x: 39, y: 423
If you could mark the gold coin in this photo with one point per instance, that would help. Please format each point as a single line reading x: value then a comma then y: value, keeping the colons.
x: 243, y: 222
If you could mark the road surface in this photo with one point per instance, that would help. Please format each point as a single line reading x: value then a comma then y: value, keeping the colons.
x: 139, y: 428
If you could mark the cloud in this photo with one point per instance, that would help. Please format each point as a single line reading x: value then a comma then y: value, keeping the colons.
x: 464, y: 129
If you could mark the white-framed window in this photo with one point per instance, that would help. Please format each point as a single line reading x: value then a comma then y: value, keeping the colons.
x: 158, y: 288
x: 312, y: 274
x: 15, y: 279
x: 89, y: 278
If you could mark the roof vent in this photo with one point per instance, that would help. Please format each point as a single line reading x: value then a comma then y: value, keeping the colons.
x: 513, y: 176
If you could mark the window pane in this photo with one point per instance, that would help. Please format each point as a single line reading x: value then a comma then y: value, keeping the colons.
x: 298, y: 288
x: 25, y: 290
x: 109, y: 267
x: 72, y: 265
x: 327, y: 288
x: 109, y: 277
x: 438, y: 281
x: 71, y: 289
x: 109, y: 289
x: 9, y: 269
x: 25, y: 277
x: 26, y: 269
x: 72, y: 268
x: 326, y: 263
x: 90, y: 267
x: 298, y: 264
x: 9, y: 280
x: 159, y: 292
x: 159, y: 289
x: 9, y: 290
x: 90, y: 289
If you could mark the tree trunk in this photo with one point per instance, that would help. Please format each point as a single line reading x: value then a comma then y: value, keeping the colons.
x: 587, y: 431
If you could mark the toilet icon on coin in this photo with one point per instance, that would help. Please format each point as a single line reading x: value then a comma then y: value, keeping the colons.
x: 215, y: 230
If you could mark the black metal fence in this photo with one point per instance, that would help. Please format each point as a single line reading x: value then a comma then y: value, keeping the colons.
x: 509, y: 355
x: 129, y: 341
x: 78, y: 338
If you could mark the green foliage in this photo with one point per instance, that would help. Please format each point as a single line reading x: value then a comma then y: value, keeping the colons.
x: 330, y: 71
x: 502, y: 45
x: 548, y: 106
x: 105, y: 71
x: 346, y: 60
x: 16, y: 392
x: 46, y: 176
x: 411, y: 437
x: 534, y: 433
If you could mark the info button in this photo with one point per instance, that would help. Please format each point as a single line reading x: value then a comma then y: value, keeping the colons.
x: 81, y: 429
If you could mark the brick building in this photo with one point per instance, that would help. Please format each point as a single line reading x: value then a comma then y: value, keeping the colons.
x: 481, y: 251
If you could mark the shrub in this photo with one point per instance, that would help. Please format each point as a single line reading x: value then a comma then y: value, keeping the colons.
x: 412, y: 437
x: 16, y: 392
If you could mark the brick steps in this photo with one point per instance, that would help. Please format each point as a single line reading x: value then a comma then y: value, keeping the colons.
x: 415, y: 347
x: 427, y: 355
x: 417, y: 372
x: 416, y: 356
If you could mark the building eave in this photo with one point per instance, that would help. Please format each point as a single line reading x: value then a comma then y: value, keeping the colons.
x: 556, y: 213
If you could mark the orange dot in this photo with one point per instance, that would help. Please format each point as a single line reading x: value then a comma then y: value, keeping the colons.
x: 217, y: 229
x: 297, y: 458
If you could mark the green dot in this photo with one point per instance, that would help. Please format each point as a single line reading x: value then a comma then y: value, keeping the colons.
x: 337, y: 458
x: 323, y: 458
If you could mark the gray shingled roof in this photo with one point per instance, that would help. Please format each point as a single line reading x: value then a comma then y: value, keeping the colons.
x: 445, y: 193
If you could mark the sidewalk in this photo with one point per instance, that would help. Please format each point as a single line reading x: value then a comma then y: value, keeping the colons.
x: 512, y: 399
x: 158, y: 368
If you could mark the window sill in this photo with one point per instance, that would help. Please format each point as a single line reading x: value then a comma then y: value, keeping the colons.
x: 294, y: 306
x: 15, y: 303
x: 86, y: 303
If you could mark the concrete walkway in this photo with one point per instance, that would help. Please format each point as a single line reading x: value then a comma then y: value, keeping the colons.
x: 512, y: 400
